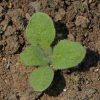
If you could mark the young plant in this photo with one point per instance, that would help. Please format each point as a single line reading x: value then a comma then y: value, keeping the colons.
x: 40, y: 33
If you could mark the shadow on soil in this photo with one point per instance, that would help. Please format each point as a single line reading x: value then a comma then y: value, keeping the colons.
x: 91, y: 60
x: 57, y: 85
x: 61, y: 32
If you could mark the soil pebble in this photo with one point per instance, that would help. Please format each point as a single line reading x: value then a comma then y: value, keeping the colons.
x: 11, y: 45
x: 82, y: 21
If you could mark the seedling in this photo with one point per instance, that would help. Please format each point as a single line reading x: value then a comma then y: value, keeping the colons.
x: 40, y: 33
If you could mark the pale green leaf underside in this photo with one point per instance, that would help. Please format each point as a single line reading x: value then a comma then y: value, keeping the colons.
x: 40, y: 30
x: 33, y: 55
x: 48, y: 53
x: 67, y: 54
x: 41, y: 78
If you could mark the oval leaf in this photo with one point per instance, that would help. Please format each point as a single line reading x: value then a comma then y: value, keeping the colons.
x: 33, y: 55
x: 41, y: 78
x: 40, y: 30
x: 67, y: 54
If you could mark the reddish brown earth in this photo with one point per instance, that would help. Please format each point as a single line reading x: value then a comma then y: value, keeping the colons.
x: 77, y: 20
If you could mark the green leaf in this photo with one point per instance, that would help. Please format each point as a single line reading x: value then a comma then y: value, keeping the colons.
x: 48, y: 53
x: 40, y: 30
x: 33, y: 55
x: 67, y: 54
x: 41, y: 78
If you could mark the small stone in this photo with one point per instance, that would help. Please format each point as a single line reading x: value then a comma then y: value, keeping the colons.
x: 10, y: 5
x: 5, y: 27
x: 67, y: 2
x: 85, y: 5
x: 10, y: 30
x: 12, y: 45
x: 25, y: 97
x: 97, y: 46
x: 90, y: 92
x: 4, y: 59
x: 87, y: 82
x: 1, y: 32
x: 58, y: 17
x: 96, y: 70
x: 64, y: 90
x: 52, y: 3
x: 99, y: 7
x: 12, y: 97
x: 71, y: 37
x: 15, y: 12
x: 91, y: 1
x: 85, y: 98
x: 27, y: 16
x: 82, y: 21
x: 1, y: 8
x: 35, y: 5
x: 61, y: 12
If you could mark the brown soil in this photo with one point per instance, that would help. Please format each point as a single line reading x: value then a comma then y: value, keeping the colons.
x: 78, y: 20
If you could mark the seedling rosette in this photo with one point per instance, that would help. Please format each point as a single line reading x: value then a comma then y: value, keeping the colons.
x: 40, y: 33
